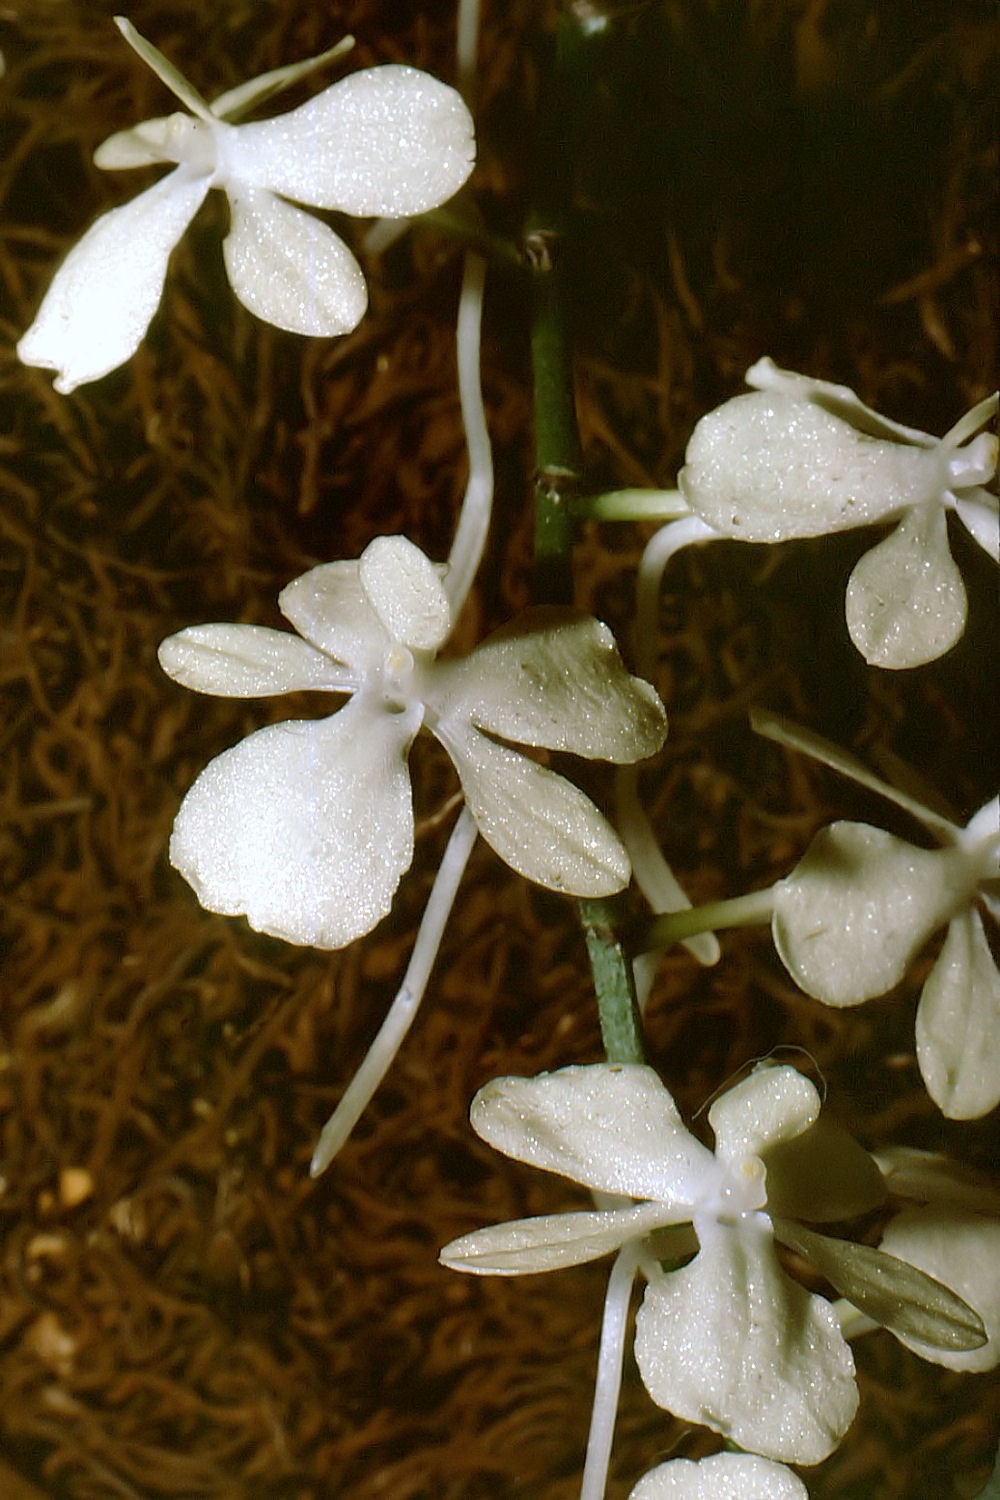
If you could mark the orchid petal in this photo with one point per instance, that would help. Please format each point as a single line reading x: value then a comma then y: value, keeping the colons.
x: 537, y: 821
x: 797, y: 737
x: 553, y: 678
x: 859, y: 907
x: 906, y: 602
x: 723, y: 1476
x: 927, y: 1177
x: 330, y: 609
x: 979, y: 513
x: 248, y: 661
x: 768, y: 1106
x: 765, y: 467
x: 612, y: 1127
x: 163, y: 68
x: 552, y: 1241
x: 731, y: 1342
x: 238, y: 101
x: 962, y: 1251
x: 167, y: 138
x: 404, y: 588
x: 958, y: 1023
x: 290, y: 269
x: 303, y: 828
x: 821, y: 1175
x: 389, y: 140
x: 765, y: 375
x: 890, y: 1291
x: 104, y: 294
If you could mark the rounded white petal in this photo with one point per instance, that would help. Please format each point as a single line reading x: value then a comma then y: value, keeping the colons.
x: 552, y: 1241
x: 611, y: 1126
x: 290, y: 269
x: 731, y: 1342
x: 767, y: 466
x: 958, y: 1023
x: 542, y: 825
x: 768, y: 1106
x: 906, y: 602
x: 404, y: 588
x: 96, y: 312
x: 961, y: 1250
x: 553, y: 678
x: 329, y: 607
x: 304, y: 828
x: 388, y: 140
x: 724, y: 1476
x: 859, y: 907
x: 247, y: 661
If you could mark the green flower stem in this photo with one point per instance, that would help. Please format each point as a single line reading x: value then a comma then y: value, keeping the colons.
x: 557, y: 441
x: 673, y: 927
x: 631, y: 505
x: 611, y: 965
x: 557, y: 461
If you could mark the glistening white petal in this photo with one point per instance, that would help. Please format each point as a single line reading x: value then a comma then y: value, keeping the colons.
x: 303, y: 828
x: 389, y: 140
x: 539, y: 823
x: 731, y: 1342
x: 100, y: 303
x: 289, y: 269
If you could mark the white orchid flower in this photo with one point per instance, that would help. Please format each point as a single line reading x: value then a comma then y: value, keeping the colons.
x: 727, y: 1339
x: 307, y: 827
x: 389, y: 141
x: 724, y: 1476
x: 800, y: 458
x: 858, y: 908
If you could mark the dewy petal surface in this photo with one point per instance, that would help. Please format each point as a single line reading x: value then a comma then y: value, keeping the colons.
x: 389, y: 140
x: 961, y: 1250
x: 329, y: 607
x: 612, y: 1127
x: 248, y: 661
x: 551, y: 1241
x: 906, y: 602
x: 731, y: 1342
x: 553, y: 678
x: 723, y: 1476
x: 858, y: 908
x: 290, y: 269
x: 770, y: 1105
x: 303, y: 828
x: 404, y: 588
x: 766, y: 466
x: 958, y: 1023
x: 537, y: 821
x: 106, y: 291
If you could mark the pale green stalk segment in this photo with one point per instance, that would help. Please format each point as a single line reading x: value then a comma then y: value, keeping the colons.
x: 752, y: 910
x: 632, y: 505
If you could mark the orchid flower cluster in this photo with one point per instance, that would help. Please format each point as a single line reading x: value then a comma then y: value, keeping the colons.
x: 306, y: 827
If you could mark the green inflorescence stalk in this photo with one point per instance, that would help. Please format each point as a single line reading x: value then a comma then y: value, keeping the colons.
x: 557, y: 459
